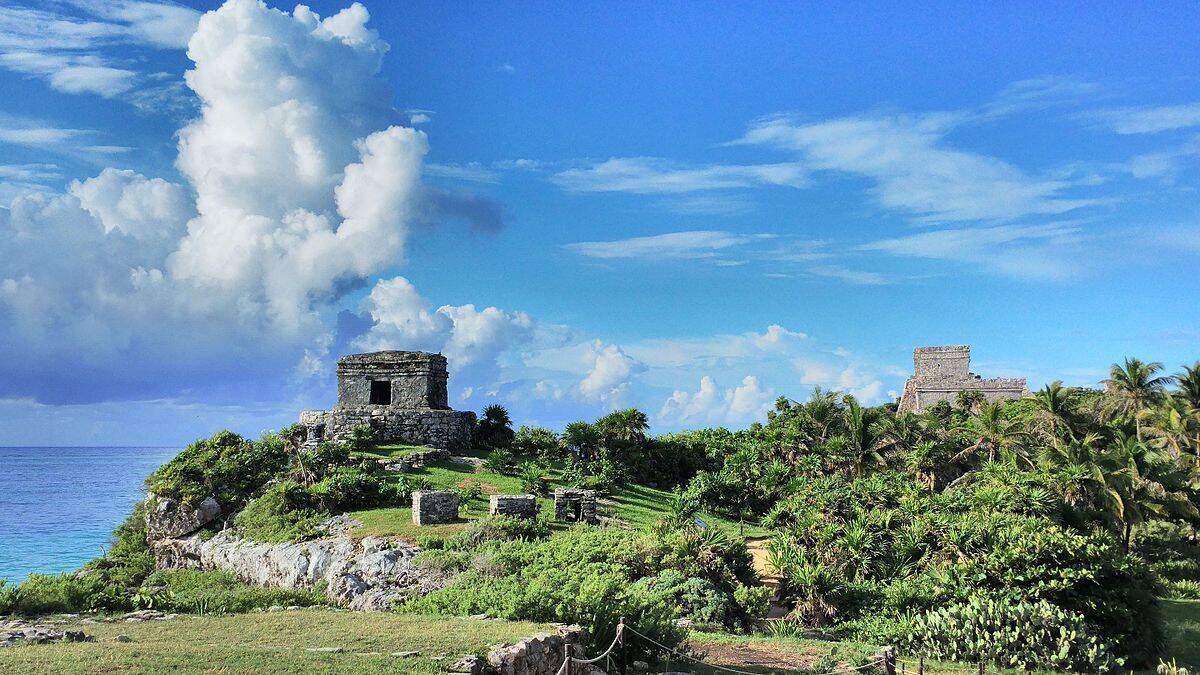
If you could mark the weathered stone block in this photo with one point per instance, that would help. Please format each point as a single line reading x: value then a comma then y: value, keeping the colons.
x: 575, y: 506
x: 515, y: 506
x: 168, y: 519
x: 940, y: 373
x: 434, y: 507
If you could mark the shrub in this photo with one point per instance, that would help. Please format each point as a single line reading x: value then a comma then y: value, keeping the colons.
x: 10, y: 597
x: 537, y: 442
x: 697, y: 598
x: 348, y: 488
x: 362, y: 439
x: 226, y: 466
x: 1009, y: 634
x: 280, y: 515
x: 220, y: 592
x: 500, y: 461
x: 54, y: 594
x: 533, y: 479
x: 500, y: 528
x: 1184, y: 589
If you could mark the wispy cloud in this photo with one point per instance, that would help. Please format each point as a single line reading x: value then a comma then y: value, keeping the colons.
x: 913, y: 168
x: 689, y: 245
x: 472, y: 172
x: 1150, y: 120
x: 1034, y: 252
x: 650, y: 175
x: 67, y: 47
x: 859, y: 277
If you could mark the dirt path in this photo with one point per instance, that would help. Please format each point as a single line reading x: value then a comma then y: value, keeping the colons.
x: 769, y: 575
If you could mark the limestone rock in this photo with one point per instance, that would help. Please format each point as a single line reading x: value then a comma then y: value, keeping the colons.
x: 166, y: 518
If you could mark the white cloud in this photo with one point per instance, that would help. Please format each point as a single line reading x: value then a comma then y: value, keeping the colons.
x: 610, y: 371
x: 649, y: 175
x: 914, y: 170
x: 709, y: 406
x: 1150, y: 120
x: 471, y: 172
x: 295, y: 193
x: 693, y: 244
x: 419, y: 118
x: 68, y: 50
x: 857, y: 277
x: 1037, y: 252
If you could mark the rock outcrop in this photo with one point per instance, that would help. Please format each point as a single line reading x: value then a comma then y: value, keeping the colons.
x: 369, y: 575
x: 166, y: 518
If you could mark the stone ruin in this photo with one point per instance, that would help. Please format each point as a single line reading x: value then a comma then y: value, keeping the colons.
x: 575, y: 506
x: 399, y: 395
x: 514, y: 506
x: 434, y: 507
x: 941, y: 372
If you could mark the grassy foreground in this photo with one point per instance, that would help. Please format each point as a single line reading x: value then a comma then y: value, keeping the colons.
x: 276, y: 642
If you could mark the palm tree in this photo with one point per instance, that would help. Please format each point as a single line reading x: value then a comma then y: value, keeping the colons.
x: 1174, y: 426
x: 629, y: 425
x: 1145, y: 495
x: 1054, y: 409
x: 995, y: 435
x: 900, y: 432
x: 1189, y: 384
x: 582, y: 438
x: 864, y: 443
x: 1134, y: 387
x: 969, y: 400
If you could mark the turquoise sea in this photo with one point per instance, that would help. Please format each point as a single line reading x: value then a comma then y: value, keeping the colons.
x: 58, y: 506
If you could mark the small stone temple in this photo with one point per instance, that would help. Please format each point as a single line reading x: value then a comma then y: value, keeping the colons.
x: 400, y: 395
x: 939, y: 373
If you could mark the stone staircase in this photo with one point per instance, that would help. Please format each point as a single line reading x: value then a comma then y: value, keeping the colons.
x: 769, y: 575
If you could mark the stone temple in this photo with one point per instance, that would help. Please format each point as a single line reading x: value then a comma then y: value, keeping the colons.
x: 400, y: 395
x: 941, y: 372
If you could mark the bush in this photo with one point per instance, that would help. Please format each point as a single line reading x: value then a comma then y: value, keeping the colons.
x: 226, y: 466
x: 280, y: 515
x: 1184, y: 589
x: 500, y: 461
x: 10, y: 597
x: 538, y: 442
x: 1023, y: 635
x: 208, y: 592
x: 500, y: 528
x: 533, y: 479
x: 348, y: 489
x: 362, y: 439
x: 59, y: 593
x: 585, y: 576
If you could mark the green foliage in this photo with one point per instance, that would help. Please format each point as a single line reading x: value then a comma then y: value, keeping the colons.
x: 1009, y: 634
x: 501, y: 461
x: 10, y: 597
x: 213, y: 592
x: 533, y: 479
x: 583, y: 576
x: 226, y: 466
x: 42, y: 594
x: 537, y: 442
x: 280, y: 515
x: 494, y: 428
x: 362, y: 439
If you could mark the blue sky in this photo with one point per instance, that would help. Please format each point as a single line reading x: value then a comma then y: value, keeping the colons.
x: 679, y: 207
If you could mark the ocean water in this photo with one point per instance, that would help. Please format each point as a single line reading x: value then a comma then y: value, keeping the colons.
x: 58, y: 506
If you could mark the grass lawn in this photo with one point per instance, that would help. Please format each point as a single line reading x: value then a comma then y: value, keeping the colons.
x: 275, y: 642
x: 1182, y: 618
x: 636, y: 505
x: 393, y: 450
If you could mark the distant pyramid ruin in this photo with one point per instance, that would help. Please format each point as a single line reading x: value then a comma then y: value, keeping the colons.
x: 939, y: 373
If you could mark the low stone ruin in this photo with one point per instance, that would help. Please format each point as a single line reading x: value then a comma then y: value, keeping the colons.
x: 434, y: 507
x: 401, y: 396
x: 575, y: 506
x: 514, y: 506
x: 542, y: 654
x: 414, y: 460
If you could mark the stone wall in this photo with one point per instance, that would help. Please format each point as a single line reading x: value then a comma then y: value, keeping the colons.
x: 415, y: 379
x: 541, y: 654
x: 575, y: 506
x: 516, y: 506
x: 444, y: 429
x: 434, y: 507
x: 412, y: 461
x: 940, y: 373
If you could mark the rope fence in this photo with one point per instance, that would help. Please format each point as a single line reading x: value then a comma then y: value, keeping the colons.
x: 887, y: 659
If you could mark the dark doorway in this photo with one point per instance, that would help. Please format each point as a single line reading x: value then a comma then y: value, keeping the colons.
x: 381, y: 392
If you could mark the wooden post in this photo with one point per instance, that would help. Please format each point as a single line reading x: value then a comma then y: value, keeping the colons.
x: 921, y: 665
x: 980, y: 665
x: 624, y: 664
x: 567, y: 659
x: 889, y: 660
